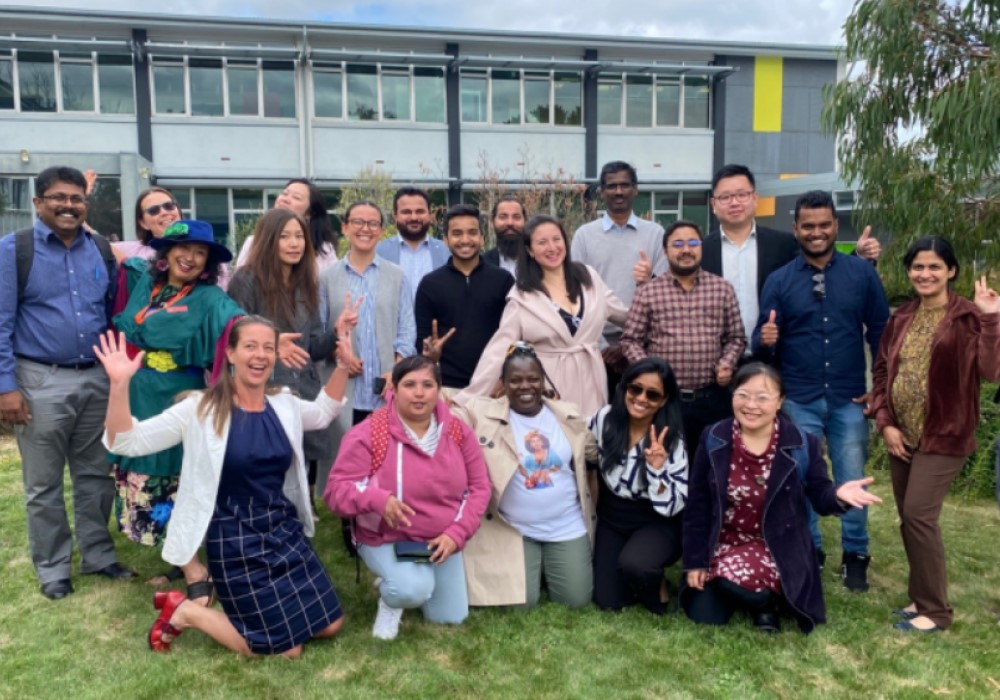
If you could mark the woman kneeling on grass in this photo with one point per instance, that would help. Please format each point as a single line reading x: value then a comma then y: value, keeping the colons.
x: 746, y: 530
x: 243, y: 490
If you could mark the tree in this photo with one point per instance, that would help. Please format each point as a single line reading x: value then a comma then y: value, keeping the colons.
x: 919, y: 126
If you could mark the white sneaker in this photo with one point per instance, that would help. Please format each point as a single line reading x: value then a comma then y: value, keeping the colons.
x: 387, y: 622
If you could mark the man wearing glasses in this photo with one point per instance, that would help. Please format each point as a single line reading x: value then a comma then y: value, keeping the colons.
x: 816, y: 313
x: 51, y: 387
x: 691, y: 319
x: 625, y: 250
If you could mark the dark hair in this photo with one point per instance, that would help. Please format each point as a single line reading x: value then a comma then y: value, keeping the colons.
x: 213, y: 268
x: 815, y: 199
x: 529, y: 272
x: 409, y: 191
x: 617, y: 166
x: 532, y: 434
x: 281, y: 298
x: 414, y: 363
x: 733, y: 170
x: 758, y: 369
x: 320, y: 229
x: 365, y: 203
x: 937, y: 245
x: 509, y: 197
x: 681, y: 223
x: 460, y: 210
x: 59, y: 173
x: 144, y: 234
x: 615, y: 438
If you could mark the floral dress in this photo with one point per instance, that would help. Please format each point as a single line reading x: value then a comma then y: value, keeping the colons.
x: 741, y: 555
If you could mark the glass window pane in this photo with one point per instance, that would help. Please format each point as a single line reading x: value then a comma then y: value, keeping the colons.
x: 183, y: 197
x: 105, y: 213
x: 665, y: 220
x: 428, y: 88
x: 643, y: 205
x: 328, y: 94
x: 114, y: 76
x: 695, y: 208
x: 362, y: 93
x: 667, y: 201
x: 536, y: 101
x: 252, y: 200
x: 213, y: 208
x: 242, y: 89
x: 206, y: 87
x: 568, y: 98
x: 506, y: 97
x: 696, y: 96
x: 668, y: 101
x: 279, y: 89
x: 77, y: 86
x: 639, y: 101
x: 396, y: 96
x: 37, y: 78
x: 473, y: 88
x: 6, y: 84
x: 168, y: 86
x: 16, y: 193
x: 609, y: 103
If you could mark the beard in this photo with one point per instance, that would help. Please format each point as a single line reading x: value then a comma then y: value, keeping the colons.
x: 509, y: 244
x: 685, y: 268
x: 411, y: 235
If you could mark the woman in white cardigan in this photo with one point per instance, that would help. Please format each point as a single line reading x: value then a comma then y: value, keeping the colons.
x: 243, y: 491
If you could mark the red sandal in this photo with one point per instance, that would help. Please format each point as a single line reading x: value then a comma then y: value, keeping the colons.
x: 167, y: 603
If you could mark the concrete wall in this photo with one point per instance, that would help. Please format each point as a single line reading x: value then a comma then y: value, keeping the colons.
x: 522, y: 152
x: 683, y: 155
x: 407, y: 151
x: 194, y: 148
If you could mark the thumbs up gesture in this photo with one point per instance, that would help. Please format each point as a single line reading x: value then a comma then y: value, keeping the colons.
x: 868, y: 248
x: 643, y: 269
x: 769, y: 331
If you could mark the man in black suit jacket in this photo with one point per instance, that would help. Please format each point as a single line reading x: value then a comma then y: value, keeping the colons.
x: 508, y: 219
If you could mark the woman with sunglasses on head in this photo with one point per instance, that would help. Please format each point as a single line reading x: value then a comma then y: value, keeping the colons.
x: 643, y: 481
x: 560, y: 307
x: 934, y: 353
x: 540, y: 521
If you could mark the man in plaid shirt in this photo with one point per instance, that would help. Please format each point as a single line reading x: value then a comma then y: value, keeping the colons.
x: 691, y: 319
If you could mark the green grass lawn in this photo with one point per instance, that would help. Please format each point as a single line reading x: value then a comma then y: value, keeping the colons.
x: 93, y: 643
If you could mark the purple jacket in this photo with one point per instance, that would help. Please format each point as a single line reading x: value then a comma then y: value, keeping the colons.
x: 786, y: 521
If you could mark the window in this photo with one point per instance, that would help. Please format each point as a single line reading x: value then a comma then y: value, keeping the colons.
x: 6, y: 80
x: 521, y: 97
x: 696, y: 101
x: 643, y: 101
x: 396, y: 94
x: 668, y: 101
x: 378, y: 93
x: 609, y: 101
x: 639, y: 100
x: 115, y: 83
x: 475, y: 96
x: 168, y: 87
x: 243, y: 93
x: 567, y: 99
x: 362, y: 93
x: 76, y: 77
x: 15, y: 193
x: 536, y: 98
x: 212, y: 206
x: 668, y: 207
x: 328, y: 92
x: 428, y: 90
x: 506, y: 100
x: 279, y: 88
x: 224, y: 87
x: 37, y: 80
x: 206, y: 87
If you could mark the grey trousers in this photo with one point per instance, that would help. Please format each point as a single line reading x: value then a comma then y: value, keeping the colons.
x: 67, y: 419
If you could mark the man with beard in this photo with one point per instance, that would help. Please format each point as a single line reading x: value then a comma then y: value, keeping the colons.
x: 459, y: 305
x: 625, y: 250
x: 816, y: 313
x: 690, y: 318
x: 413, y: 249
x: 508, y: 217
x: 52, y: 389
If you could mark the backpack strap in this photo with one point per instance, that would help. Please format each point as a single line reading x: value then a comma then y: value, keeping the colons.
x: 24, y: 254
x: 380, y: 436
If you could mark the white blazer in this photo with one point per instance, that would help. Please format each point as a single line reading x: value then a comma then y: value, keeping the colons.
x: 204, y: 451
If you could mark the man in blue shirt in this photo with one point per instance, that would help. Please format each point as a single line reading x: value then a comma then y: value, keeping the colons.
x: 816, y: 313
x: 413, y: 249
x: 51, y: 387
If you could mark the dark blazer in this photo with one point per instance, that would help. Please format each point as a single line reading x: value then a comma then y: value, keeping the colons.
x: 492, y: 256
x: 774, y: 249
x: 785, y: 520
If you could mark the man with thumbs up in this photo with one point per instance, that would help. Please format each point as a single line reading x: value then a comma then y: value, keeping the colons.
x: 816, y: 314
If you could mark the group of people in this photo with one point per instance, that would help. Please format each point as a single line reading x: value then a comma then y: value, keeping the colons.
x: 543, y: 416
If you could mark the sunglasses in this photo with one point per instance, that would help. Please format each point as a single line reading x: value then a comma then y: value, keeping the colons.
x: 157, y: 208
x: 637, y: 390
x: 819, y: 285
x: 520, y: 347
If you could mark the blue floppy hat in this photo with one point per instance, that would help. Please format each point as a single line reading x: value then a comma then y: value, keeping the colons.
x: 192, y: 231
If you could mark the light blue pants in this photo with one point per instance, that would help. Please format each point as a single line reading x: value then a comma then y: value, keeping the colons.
x: 846, y: 430
x: 437, y: 589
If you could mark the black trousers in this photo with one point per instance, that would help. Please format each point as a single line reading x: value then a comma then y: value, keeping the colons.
x: 716, y: 604
x: 629, y: 562
x: 716, y: 404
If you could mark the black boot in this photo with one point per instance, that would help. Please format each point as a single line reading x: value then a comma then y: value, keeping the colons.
x: 854, y: 571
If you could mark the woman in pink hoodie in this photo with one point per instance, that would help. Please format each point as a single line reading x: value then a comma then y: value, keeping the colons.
x: 414, y: 479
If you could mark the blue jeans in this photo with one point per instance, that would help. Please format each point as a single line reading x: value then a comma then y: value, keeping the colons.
x: 846, y: 430
x: 437, y: 589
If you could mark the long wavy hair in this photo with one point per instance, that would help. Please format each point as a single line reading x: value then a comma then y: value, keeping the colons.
x: 614, y: 442
x: 529, y: 272
x: 282, y: 297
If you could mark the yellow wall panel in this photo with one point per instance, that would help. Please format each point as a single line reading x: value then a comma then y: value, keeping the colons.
x: 767, y: 82
x: 765, y: 206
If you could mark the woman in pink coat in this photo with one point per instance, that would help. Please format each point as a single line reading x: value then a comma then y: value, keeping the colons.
x: 560, y: 307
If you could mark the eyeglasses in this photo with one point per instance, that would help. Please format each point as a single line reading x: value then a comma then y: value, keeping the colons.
x: 819, y: 285
x: 61, y: 198
x: 157, y: 208
x: 741, y: 197
x: 520, y: 347
x: 637, y: 390
x: 618, y: 186
x: 759, y: 399
x: 693, y: 243
x: 374, y: 225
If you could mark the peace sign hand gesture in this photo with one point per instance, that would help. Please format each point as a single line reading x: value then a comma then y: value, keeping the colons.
x: 433, y: 345
x: 348, y: 318
x: 656, y: 454
x: 987, y: 300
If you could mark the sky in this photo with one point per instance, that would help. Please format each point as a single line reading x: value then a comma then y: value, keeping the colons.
x: 813, y: 22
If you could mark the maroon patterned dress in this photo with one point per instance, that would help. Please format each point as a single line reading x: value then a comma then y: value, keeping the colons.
x: 741, y: 555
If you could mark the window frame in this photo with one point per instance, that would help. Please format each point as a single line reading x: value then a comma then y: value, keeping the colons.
x: 397, y: 70
x: 622, y: 79
x: 525, y: 75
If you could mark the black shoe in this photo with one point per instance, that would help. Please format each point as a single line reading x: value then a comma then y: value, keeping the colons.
x: 854, y: 571
x: 907, y: 626
x: 821, y: 559
x: 56, y: 590
x: 116, y: 571
x: 767, y: 622
x: 904, y: 614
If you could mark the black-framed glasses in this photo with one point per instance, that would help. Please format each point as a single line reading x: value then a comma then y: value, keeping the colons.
x: 157, y: 208
x: 61, y: 198
x: 637, y: 390
x: 819, y: 285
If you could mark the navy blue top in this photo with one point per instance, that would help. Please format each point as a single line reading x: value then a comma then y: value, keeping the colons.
x: 257, y: 456
x: 64, y: 308
x: 820, y: 347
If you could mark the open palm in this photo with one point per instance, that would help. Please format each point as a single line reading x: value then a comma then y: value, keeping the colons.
x: 119, y: 366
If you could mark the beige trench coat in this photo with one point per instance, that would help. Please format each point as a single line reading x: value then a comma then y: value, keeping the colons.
x: 494, y: 557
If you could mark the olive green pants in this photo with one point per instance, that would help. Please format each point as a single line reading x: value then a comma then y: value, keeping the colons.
x: 567, y: 567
